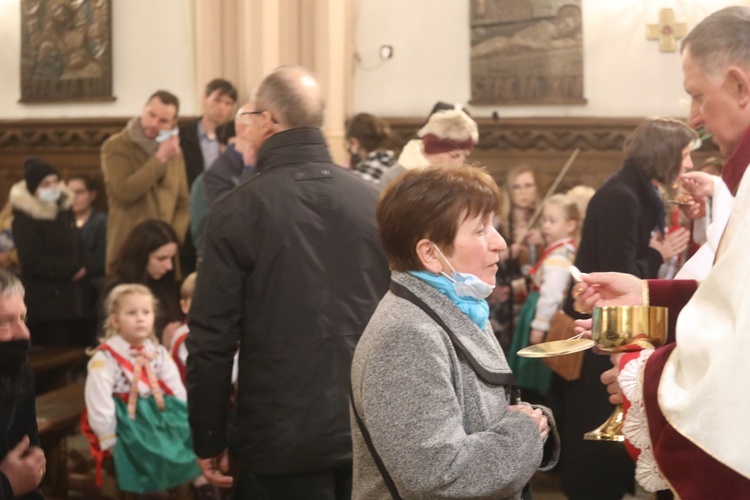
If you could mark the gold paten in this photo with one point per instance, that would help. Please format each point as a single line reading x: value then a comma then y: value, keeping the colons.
x: 625, y: 329
x: 555, y: 348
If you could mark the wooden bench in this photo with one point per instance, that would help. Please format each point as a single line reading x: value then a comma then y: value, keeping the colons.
x: 57, y: 415
x: 52, y: 366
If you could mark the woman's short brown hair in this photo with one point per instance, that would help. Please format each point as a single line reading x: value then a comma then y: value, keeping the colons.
x: 656, y: 145
x: 431, y: 203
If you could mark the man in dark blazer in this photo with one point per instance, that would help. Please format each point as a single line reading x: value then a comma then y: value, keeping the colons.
x: 202, y: 142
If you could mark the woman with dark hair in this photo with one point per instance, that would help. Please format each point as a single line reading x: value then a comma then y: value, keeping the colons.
x: 93, y: 225
x: 436, y: 410
x: 624, y: 231
x: 148, y: 257
x: 367, y: 138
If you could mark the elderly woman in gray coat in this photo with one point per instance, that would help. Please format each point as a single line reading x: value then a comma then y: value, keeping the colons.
x: 435, y: 408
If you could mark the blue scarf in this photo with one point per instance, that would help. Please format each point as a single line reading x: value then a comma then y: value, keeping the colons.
x: 477, y: 310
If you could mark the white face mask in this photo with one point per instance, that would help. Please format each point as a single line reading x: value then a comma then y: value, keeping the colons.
x: 465, y: 284
x: 49, y: 194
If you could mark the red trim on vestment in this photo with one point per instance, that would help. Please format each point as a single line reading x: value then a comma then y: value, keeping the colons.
x: 692, y: 473
x: 673, y: 294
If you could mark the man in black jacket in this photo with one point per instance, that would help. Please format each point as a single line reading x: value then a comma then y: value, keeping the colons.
x: 201, y: 142
x: 22, y: 463
x: 293, y: 269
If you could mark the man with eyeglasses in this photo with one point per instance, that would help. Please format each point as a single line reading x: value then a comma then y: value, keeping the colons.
x: 292, y: 270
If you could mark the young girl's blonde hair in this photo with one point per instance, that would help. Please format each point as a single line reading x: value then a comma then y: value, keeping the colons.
x: 114, y: 300
x: 568, y: 206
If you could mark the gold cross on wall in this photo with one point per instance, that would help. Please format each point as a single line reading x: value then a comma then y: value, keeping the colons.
x: 668, y: 31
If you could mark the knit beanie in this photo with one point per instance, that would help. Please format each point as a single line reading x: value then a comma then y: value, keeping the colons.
x: 35, y: 170
x: 448, y: 130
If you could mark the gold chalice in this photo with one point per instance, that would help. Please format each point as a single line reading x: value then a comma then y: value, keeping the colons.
x: 625, y: 329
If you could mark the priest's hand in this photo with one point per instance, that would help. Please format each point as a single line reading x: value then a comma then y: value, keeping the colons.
x: 607, y: 289
x: 609, y: 378
x: 215, y: 470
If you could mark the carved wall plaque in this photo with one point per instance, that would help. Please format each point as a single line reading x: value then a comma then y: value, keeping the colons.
x: 526, y: 52
x: 66, y: 50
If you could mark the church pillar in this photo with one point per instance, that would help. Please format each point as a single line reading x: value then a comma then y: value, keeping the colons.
x: 243, y: 40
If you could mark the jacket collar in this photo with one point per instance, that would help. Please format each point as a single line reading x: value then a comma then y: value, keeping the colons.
x: 293, y: 146
x: 22, y: 200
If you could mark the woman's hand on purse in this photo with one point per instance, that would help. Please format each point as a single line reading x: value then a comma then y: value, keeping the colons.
x: 537, y: 415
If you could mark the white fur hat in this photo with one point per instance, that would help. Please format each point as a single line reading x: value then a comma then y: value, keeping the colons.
x: 448, y: 130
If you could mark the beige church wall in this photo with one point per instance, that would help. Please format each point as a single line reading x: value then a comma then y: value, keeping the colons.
x: 625, y: 75
x: 153, y: 47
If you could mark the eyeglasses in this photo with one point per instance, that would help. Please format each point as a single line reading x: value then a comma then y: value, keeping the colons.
x: 258, y: 112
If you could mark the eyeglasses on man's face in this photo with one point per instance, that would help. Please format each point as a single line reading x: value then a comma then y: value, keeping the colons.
x: 257, y: 112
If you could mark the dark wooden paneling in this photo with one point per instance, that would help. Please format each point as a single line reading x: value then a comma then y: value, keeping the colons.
x: 544, y: 143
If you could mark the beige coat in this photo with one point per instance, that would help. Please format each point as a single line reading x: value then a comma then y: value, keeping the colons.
x: 140, y: 187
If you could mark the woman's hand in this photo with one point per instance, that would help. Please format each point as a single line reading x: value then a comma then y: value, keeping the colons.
x: 674, y: 243
x: 80, y: 274
x: 536, y: 336
x: 537, y: 415
x: 534, y: 237
x: 609, y: 378
x: 607, y: 289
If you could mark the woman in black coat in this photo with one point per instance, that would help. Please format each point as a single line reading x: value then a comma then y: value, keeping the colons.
x: 52, y: 257
x: 623, y: 231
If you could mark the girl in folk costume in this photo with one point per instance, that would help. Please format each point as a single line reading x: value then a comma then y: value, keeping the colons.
x: 551, y: 279
x: 144, y: 424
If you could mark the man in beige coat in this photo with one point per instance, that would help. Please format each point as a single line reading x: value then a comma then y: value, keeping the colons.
x: 144, y: 173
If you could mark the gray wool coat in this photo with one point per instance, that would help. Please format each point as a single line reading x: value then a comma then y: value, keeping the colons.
x: 440, y: 431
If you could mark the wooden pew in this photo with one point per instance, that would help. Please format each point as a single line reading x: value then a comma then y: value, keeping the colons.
x: 57, y: 415
x: 52, y: 366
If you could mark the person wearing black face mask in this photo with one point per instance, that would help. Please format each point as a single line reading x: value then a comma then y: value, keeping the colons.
x: 22, y: 462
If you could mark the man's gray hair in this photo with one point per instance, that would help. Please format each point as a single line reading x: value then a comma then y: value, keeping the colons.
x: 10, y: 284
x: 720, y: 40
x: 292, y: 95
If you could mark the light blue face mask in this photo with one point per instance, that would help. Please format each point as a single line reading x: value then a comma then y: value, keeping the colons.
x: 49, y: 194
x: 465, y: 284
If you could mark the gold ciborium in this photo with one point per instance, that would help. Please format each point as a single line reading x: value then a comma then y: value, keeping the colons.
x: 624, y: 329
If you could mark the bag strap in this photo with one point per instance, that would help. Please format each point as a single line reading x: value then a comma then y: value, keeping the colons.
x: 378, y: 462
x: 482, y: 372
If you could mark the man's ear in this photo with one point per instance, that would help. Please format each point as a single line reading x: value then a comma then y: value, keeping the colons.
x: 738, y: 85
x: 429, y: 256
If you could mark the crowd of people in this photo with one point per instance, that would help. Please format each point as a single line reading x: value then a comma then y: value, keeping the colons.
x: 351, y: 331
